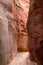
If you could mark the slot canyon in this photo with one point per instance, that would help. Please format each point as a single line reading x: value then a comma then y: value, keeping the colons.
x: 21, y: 32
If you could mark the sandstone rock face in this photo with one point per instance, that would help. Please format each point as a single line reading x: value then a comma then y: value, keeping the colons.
x: 7, y: 33
x: 13, y: 32
x: 35, y: 30
x: 20, y: 11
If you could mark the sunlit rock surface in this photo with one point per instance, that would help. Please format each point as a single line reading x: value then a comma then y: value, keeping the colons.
x: 20, y: 11
x: 22, y: 58
x: 13, y: 32
x: 7, y: 33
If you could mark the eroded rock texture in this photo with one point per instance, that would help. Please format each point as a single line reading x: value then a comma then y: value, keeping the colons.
x: 20, y: 11
x: 35, y: 30
x: 7, y: 32
x: 13, y: 19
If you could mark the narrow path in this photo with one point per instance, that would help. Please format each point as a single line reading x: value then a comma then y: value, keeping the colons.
x: 22, y: 58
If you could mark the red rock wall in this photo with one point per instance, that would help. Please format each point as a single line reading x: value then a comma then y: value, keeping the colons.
x: 20, y: 11
x: 35, y: 30
x: 13, y: 32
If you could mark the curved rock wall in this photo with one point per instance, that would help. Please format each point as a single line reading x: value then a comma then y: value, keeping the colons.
x: 20, y: 11
x: 13, y: 32
x: 35, y: 30
x: 7, y: 33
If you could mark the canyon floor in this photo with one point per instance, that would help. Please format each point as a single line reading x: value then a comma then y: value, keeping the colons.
x: 22, y: 58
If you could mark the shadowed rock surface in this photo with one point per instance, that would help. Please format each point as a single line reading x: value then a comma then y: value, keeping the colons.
x: 35, y: 30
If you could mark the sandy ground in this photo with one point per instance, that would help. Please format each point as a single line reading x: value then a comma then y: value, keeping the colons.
x: 22, y: 58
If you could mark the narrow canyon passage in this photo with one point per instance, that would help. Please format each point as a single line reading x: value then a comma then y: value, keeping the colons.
x: 21, y: 32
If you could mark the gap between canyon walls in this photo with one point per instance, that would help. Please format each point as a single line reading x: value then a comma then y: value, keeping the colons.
x: 20, y: 12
